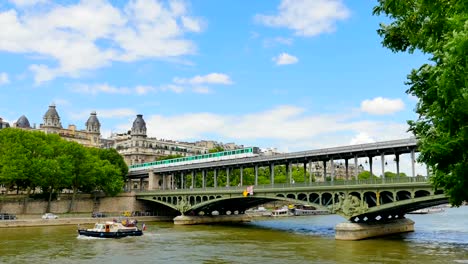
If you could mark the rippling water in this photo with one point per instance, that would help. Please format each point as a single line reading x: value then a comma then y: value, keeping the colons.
x: 439, y: 238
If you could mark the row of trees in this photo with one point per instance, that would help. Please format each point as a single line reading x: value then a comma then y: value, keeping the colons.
x: 31, y: 160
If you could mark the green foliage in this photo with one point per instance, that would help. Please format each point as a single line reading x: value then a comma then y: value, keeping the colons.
x: 366, y: 175
x: 216, y: 149
x: 34, y: 159
x: 438, y: 28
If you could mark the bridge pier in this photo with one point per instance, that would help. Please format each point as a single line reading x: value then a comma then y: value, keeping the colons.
x: 358, y: 231
x: 198, y: 220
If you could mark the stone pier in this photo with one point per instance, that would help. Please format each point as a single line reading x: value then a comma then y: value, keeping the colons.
x: 195, y: 220
x: 358, y: 231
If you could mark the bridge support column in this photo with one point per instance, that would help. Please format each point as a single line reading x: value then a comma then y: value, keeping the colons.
x: 324, y: 170
x: 241, y: 176
x: 358, y: 231
x: 152, y: 184
x: 256, y: 174
x: 370, y: 168
x: 227, y: 178
x: 346, y: 168
x: 413, y: 171
x: 203, y: 179
x: 310, y: 172
x: 289, y: 171
x: 382, y: 160
x: 332, y: 169
x: 397, y: 162
x: 305, y: 172
x: 272, y: 174
x: 193, y: 180
x: 356, y: 169
x: 182, y: 181
x: 215, y: 174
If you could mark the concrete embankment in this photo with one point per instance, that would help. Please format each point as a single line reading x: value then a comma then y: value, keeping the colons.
x: 74, y: 221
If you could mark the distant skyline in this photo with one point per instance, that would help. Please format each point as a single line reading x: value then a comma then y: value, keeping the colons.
x: 290, y: 74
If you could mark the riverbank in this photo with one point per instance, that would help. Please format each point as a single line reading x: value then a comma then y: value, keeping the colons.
x: 31, y: 221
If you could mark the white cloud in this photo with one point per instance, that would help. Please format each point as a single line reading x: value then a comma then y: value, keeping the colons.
x: 382, y: 106
x: 361, y: 138
x: 104, y: 113
x: 285, y: 59
x: 306, y: 17
x: 285, y: 125
x: 24, y: 3
x: 270, y: 42
x: 75, y: 39
x: 212, y: 78
x: 100, y: 88
x: 202, y: 90
x: 4, y: 78
x: 108, y: 89
x: 173, y: 88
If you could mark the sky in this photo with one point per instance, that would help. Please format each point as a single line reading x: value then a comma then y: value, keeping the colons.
x: 287, y: 74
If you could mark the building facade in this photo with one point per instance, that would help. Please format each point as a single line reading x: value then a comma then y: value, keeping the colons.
x: 136, y: 147
x: 3, y: 124
x: 90, y: 136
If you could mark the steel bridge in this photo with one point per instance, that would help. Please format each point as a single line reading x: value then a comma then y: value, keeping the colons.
x: 361, y: 201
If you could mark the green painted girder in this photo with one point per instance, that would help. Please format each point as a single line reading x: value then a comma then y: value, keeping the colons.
x: 196, y: 200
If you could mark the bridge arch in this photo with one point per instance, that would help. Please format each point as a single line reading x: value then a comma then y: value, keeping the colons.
x: 403, y: 195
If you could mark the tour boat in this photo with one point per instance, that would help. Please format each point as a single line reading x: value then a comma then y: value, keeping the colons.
x: 111, y: 230
x: 429, y: 210
x: 281, y: 212
x: 300, y: 210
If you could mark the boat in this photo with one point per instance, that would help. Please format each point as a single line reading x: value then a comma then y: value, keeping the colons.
x: 300, y: 210
x: 111, y: 229
x: 260, y: 211
x: 429, y: 210
x: 284, y: 211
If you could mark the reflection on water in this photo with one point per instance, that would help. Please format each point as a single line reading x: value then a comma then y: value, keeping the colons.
x: 439, y: 238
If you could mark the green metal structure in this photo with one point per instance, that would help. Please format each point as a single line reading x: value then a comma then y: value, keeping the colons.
x: 357, y: 201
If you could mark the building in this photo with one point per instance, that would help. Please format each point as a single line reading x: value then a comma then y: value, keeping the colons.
x: 3, y: 124
x: 90, y: 136
x: 136, y: 147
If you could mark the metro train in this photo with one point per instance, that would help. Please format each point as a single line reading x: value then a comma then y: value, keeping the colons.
x: 216, y: 156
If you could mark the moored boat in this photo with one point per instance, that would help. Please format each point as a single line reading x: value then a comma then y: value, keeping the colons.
x: 301, y: 210
x: 111, y: 230
x: 429, y: 210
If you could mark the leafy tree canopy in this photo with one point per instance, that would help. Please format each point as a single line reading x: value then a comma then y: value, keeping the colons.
x: 438, y: 28
x: 216, y: 149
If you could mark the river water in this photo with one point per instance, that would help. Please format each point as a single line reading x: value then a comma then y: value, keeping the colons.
x: 438, y: 238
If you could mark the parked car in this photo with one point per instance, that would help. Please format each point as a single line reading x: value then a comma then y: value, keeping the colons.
x: 49, y: 216
x: 98, y: 215
x: 5, y: 216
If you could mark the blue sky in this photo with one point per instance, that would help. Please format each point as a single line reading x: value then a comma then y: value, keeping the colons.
x: 290, y: 74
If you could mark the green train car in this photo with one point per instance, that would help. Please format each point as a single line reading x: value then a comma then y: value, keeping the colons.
x: 216, y: 156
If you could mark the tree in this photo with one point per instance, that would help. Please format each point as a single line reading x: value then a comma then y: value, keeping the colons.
x: 216, y: 149
x: 438, y: 28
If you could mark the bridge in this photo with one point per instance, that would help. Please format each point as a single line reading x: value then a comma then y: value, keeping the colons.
x: 372, y: 207
x: 172, y: 177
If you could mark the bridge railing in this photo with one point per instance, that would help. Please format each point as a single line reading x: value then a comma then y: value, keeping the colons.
x: 379, y: 181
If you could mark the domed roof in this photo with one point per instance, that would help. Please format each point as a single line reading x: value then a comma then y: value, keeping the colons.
x: 23, y: 122
x: 51, y: 118
x: 92, y: 120
x: 52, y: 112
x: 139, y: 126
x: 93, y: 125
